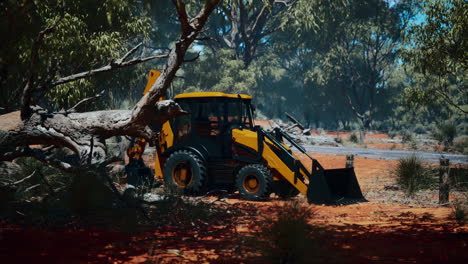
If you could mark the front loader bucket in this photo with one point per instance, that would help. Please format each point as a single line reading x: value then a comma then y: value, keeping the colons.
x: 334, y: 186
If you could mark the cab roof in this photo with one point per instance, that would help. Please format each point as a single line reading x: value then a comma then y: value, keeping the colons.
x: 212, y: 94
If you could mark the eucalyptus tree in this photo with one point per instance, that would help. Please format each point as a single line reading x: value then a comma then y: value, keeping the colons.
x: 437, y: 48
x: 344, y: 58
x: 44, y: 40
x: 85, y: 133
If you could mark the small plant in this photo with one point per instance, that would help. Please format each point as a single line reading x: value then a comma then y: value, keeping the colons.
x: 445, y: 133
x: 411, y: 175
x: 392, y: 134
x: 287, y: 237
x: 461, y: 145
x: 321, y: 131
x: 338, y: 140
x: 419, y: 129
x: 176, y: 210
x: 353, y: 138
x: 407, y: 136
x: 459, y: 212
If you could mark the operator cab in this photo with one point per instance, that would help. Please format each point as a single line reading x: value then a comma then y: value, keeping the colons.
x: 211, y: 114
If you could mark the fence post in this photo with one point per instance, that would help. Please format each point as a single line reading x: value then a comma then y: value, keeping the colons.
x: 444, y: 187
x: 350, y: 161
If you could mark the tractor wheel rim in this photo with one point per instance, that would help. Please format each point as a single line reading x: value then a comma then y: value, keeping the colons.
x: 251, y: 184
x: 182, y: 174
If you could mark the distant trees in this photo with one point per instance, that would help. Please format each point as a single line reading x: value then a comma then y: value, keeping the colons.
x: 337, y: 64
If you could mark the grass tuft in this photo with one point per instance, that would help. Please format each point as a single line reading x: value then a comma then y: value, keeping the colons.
x: 412, y: 176
x: 459, y: 212
x: 287, y: 237
x: 353, y: 138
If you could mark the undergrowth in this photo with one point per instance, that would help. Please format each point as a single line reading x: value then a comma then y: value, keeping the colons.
x: 412, y: 176
x: 353, y: 138
x: 459, y: 212
x: 287, y: 236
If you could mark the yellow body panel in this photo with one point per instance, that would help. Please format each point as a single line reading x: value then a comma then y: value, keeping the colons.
x: 248, y: 138
x: 153, y: 75
x: 166, y: 136
x: 212, y: 94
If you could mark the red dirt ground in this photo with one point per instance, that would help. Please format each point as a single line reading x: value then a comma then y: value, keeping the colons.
x: 373, y: 232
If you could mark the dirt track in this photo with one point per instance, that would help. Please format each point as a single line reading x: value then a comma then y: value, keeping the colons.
x: 382, y: 154
x: 388, y: 229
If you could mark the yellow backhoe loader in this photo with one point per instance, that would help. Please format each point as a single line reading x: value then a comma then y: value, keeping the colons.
x: 218, y: 146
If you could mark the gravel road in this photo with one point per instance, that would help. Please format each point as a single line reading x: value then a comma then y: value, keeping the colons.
x: 387, y: 154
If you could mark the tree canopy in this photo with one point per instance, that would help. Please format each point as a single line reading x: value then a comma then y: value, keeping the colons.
x: 335, y: 64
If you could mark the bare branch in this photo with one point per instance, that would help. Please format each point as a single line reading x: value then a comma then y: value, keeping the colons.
x: 143, y: 109
x: 193, y: 59
x: 30, y: 188
x: 182, y: 13
x: 106, y: 68
x: 29, y: 87
x: 86, y: 100
x: 130, y: 52
x: 24, y: 179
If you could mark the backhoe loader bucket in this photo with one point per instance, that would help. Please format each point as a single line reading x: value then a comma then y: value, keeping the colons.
x: 334, y: 187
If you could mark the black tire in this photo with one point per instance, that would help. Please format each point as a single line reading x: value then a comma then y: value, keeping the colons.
x: 195, y: 172
x: 285, y: 190
x: 261, y: 180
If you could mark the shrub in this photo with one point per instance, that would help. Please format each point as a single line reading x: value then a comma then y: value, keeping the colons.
x: 353, y: 138
x: 459, y: 212
x: 321, y: 131
x: 445, y: 133
x: 411, y: 175
x: 287, y: 237
x: 338, y: 139
x: 461, y: 145
x: 407, y: 136
x: 176, y: 210
x: 392, y: 134
x: 420, y: 129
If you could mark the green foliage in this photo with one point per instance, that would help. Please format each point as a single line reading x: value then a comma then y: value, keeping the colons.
x: 437, y: 48
x: 439, y: 45
x: 461, y: 144
x: 459, y: 212
x: 46, y: 178
x: 178, y: 211
x: 287, y: 237
x: 445, y: 133
x: 353, y: 138
x: 84, y: 36
x: 411, y: 175
x: 407, y: 136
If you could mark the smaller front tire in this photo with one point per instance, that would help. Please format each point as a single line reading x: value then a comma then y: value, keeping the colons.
x: 254, y: 182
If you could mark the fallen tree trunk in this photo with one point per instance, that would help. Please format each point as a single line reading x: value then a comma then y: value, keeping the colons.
x: 85, y: 133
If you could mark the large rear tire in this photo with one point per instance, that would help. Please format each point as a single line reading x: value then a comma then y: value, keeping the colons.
x: 254, y: 182
x: 185, y: 170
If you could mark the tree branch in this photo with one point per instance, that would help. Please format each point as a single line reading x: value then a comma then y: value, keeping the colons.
x: 130, y: 52
x: 193, y: 59
x: 112, y: 66
x: 73, y: 109
x: 182, y: 14
x: 39, y: 155
x: 29, y: 87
